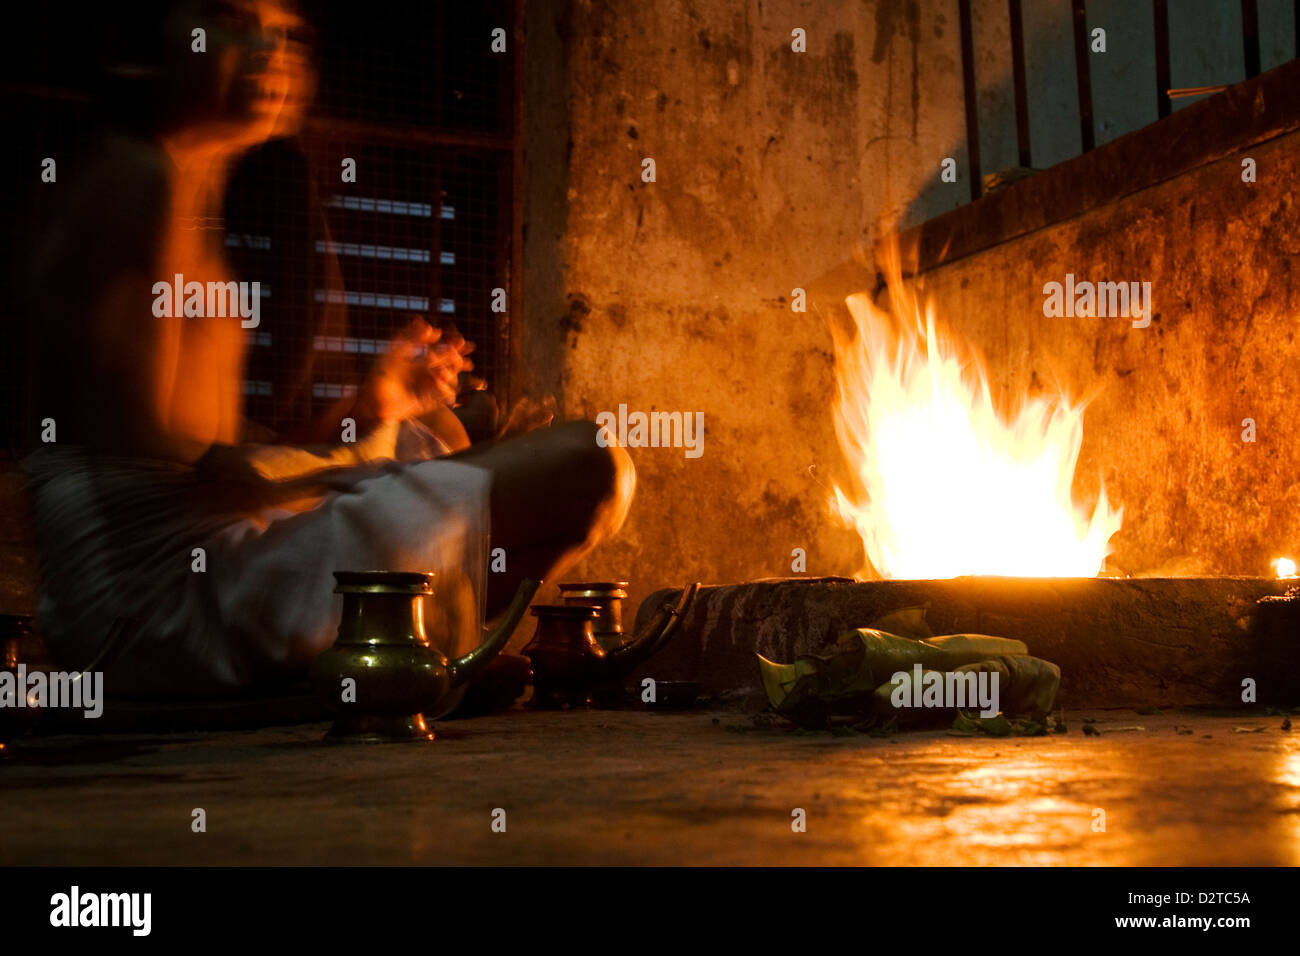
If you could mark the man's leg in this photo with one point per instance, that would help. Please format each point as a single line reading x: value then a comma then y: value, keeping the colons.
x: 556, y: 494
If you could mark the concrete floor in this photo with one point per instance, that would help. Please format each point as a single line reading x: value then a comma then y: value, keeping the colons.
x: 605, y: 787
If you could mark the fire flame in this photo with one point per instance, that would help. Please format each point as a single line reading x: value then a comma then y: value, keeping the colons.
x: 1285, y: 567
x: 943, y: 485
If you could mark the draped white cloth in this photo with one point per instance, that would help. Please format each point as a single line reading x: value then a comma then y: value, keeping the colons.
x: 117, y: 538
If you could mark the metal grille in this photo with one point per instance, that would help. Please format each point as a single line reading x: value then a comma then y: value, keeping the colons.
x: 1267, y: 40
x: 411, y: 90
x: 414, y: 95
x: 421, y: 232
x: 416, y: 63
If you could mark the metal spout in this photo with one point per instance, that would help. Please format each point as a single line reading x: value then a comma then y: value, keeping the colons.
x: 462, y: 669
x: 653, y: 638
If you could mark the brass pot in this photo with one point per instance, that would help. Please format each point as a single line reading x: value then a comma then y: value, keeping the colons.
x: 566, y: 659
x: 385, y: 670
x: 607, y: 598
x: 569, y: 663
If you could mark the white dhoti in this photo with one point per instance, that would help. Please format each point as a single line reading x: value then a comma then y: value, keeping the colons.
x: 118, y: 538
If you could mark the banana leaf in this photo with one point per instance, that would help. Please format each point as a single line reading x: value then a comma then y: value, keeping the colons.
x: 882, y: 706
x: 905, y: 622
x: 973, y: 725
x: 885, y: 654
x: 852, y: 678
x: 980, y: 644
x: 1027, y: 686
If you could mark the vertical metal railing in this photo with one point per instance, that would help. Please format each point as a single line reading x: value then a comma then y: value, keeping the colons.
x: 1161, y: 22
x: 1250, y: 39
x: 1019, y: 79
x: 968, y: 85
x: 1083, y: 75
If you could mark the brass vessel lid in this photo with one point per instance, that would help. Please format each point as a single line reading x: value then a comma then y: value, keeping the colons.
x: 579, y: 611
x: 594, y: 589
x: 383, y: 582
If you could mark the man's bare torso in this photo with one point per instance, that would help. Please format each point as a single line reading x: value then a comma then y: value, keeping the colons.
x: 115, y: 376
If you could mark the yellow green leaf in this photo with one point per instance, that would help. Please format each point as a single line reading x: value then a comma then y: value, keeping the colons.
x: 905, y: 622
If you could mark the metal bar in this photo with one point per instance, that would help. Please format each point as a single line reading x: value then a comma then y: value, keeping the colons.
x: 437, y: 200
x: 1250, y: 36
x: 1195, y: 91
x: 439, y: 63
x: 397, y: 134
x: 506, y: 387
x: 1021, y: 84
x: 1161, y: 13
x: 1082, y: 75
x: 968, y: 85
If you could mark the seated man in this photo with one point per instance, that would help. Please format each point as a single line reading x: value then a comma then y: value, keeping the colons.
x: 147, y: 506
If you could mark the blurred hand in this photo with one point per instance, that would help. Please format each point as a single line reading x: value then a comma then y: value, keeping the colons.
x: 418, y: 373
x: 529, y: 415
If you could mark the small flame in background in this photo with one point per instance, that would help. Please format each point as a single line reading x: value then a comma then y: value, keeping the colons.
x: 1285, y: 567
x: 944, y: 484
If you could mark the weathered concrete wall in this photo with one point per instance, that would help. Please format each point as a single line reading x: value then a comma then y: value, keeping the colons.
x: 773, y: 166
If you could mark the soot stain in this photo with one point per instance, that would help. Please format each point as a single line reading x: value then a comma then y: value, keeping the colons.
x: 579, y: 309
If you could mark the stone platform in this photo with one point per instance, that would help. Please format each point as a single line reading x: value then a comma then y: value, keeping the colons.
x: 1119, y: 642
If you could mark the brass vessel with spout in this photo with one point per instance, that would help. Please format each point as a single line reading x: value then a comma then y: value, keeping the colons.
x: 568, y: 661
x: 385, y: 671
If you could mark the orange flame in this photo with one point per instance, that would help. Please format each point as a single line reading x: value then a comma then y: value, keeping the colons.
x: 943, y: 485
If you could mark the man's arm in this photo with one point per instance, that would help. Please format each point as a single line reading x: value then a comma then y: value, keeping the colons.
x: 415, y: 379
x: 279, y: 463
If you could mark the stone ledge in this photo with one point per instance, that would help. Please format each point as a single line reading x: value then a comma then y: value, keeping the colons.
x: 1242, y: 116
x: 1119, y: 642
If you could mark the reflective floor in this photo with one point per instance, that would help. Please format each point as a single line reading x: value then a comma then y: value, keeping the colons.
x: 640, y: 788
